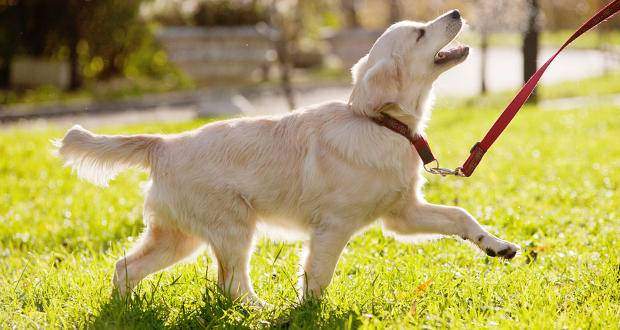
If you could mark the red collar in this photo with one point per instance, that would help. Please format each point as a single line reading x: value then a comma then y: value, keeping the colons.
x: 397, y: 126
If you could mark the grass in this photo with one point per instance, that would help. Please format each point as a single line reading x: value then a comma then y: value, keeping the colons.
x: 592, y: 87
x: 591, y: 40
x: 551, y: 184
x: 93, y: 91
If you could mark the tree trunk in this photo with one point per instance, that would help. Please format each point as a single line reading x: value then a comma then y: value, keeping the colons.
x: 11, y: 32
x: 6, y: 59
x: 350, y: 14
x: 484, y: 47
x: 530, y: 45
x: 282, y: 46
x: 75, y: 78
x: 284, y: 59
x: 395, y: 11
x: 75, y: 81
x: 603, y: 36
x: 5, y: 72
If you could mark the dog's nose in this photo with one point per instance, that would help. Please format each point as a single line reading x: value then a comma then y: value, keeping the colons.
x: 455, y: 14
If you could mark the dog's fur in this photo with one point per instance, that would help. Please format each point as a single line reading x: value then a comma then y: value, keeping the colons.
x: 327, y: 171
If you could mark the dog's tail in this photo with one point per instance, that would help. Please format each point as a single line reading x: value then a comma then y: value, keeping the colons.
x: 98, y: 158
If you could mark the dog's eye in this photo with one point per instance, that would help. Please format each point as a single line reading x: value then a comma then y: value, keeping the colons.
x: 421, y: 33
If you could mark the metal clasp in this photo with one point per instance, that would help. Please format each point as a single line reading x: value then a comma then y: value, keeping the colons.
x: 443, y: 171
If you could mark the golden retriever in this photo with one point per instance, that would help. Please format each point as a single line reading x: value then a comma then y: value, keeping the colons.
x: 327, y: 171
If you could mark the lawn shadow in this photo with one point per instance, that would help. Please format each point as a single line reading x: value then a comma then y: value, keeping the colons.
x: 315, y: 314
x: 135, y: 312
x: 216, y: 310
x: 143, y: 310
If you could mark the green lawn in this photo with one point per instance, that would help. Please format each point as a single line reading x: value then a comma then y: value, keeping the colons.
x: 592, y: 87
x: 590, y: 40
x: 551, y: 184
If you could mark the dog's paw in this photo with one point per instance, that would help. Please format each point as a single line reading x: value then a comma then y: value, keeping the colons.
x: 255, y: 302
x: 495, y: 247
x: 260, y: 304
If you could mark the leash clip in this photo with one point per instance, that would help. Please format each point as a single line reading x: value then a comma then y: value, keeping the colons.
x: 443, y: 171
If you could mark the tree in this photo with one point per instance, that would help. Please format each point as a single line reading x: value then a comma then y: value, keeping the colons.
x: 531, y: 44
x: 110, y: 30
x: 73, y: 31
x: 349, y: 9
x: 395, y: 11
x: 9, y: 31
x: 288, y: 23
x: 491, y: 16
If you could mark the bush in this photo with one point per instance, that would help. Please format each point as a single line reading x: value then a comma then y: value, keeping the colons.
x: 208, y: 13
x: 97, y: 37
x: 229, y: 13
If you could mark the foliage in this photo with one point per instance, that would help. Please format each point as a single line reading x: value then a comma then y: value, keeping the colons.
x: 591, y: 40
x: 145, y: 70
x: 562, y: 14
x: 59, y: 238
x: 111, y: 31
x: 229, y: 13
x: 487, y: 13
x: 99, y: 36
x: 208, y: 12
x: 133, y: 85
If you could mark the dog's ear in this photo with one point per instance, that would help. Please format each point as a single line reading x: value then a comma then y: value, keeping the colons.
x: 374, y: 85
x: 359, y: 69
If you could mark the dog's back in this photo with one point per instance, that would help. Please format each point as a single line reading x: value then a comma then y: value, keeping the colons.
x: 283, y: 167
x: 279, y: 166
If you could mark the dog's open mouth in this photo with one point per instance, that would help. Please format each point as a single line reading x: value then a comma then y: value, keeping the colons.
x: 456, y: 53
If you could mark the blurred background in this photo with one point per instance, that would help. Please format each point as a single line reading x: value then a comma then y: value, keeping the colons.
x: 225, y: 57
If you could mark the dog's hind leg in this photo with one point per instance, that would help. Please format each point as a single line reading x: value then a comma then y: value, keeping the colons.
x: 230, y: 233
x: 159, y: 247
x: 233, y: 248
x: 423, y: 218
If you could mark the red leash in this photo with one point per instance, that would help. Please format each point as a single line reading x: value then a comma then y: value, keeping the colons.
x: 480, y: 148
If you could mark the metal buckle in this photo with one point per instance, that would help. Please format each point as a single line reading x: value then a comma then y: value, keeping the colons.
x: 444, y: 171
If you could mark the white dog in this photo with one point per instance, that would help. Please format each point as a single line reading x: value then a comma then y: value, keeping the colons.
x: 327, y: 171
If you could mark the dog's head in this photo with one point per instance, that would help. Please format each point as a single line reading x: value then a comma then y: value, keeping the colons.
x: 405, y: 60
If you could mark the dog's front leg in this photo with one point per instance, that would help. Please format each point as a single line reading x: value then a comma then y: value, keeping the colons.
x: 322, y: 252
x: 424, y: 218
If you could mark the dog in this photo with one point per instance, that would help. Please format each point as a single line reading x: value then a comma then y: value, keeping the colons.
x: 327, y: 171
